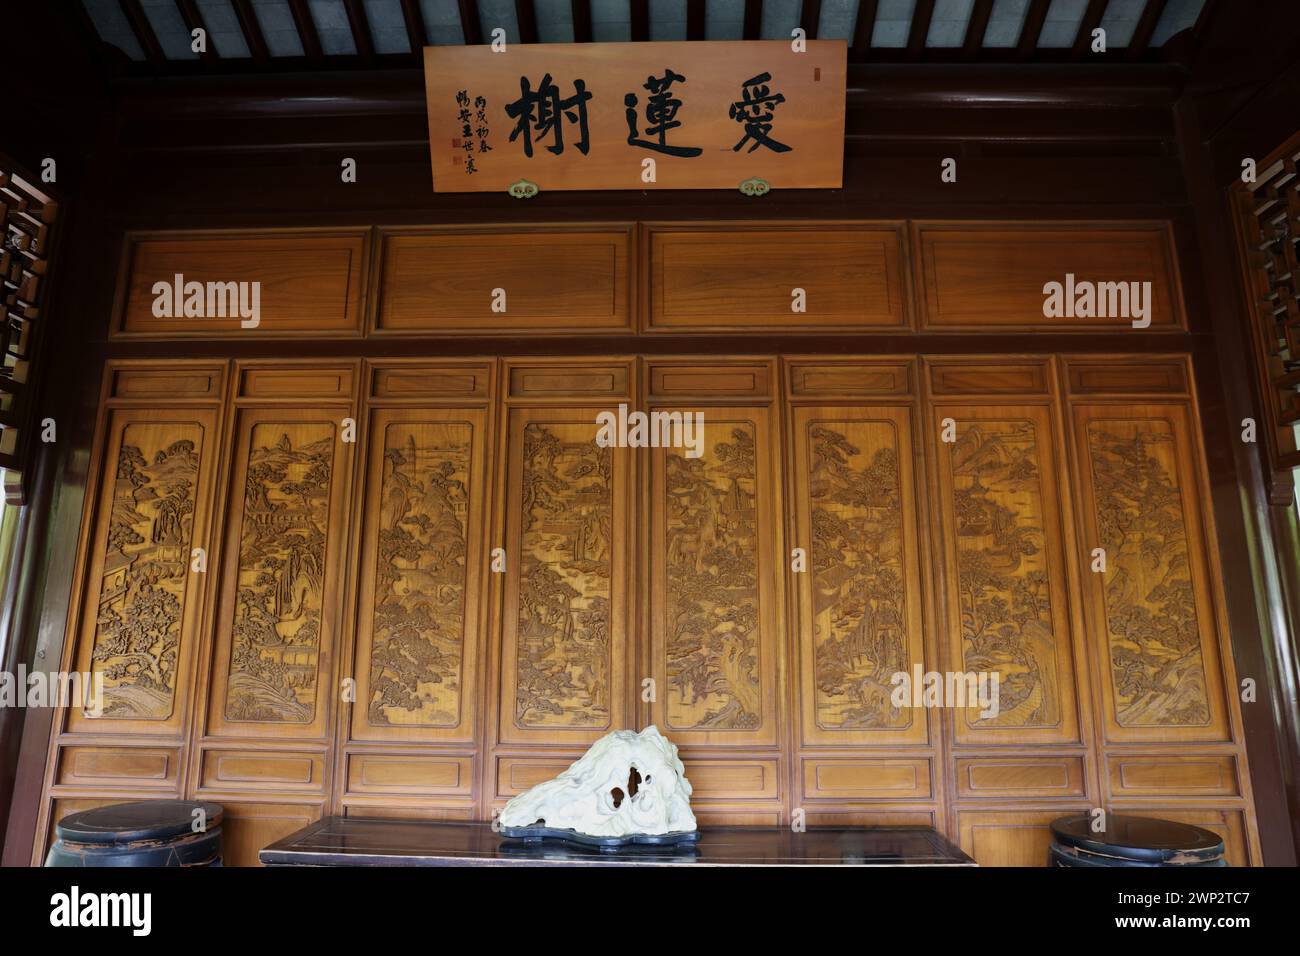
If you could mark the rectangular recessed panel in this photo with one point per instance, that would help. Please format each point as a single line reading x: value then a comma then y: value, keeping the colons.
x: 900, y: 779
x: 742, y: 278
x: 1190, y: 775
x: 383, y: 773
x: 1020, y: 777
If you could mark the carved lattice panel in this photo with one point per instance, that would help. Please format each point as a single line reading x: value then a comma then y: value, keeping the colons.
x: 283, y: 530
x: 422, y: 571
x: 27, y: 216
x: 140, y: 619
x: 564, y: 648
x: 1152, y: 621
x: 1267, y: 214
x: 713, y: 573
x: 1007, y: 610
x: 859, y: 599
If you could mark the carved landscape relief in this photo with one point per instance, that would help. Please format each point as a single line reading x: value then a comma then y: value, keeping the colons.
x: 146, y: 562
x: 1003, y: 584
x: 418, y: 635
x: 562, y: 659
x: 1157, y: 671
x: 711, y: 600
x: 859, y: 604
x: 277, y: 620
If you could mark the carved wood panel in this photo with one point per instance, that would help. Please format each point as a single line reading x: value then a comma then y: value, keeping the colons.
x: 860, y: 597
x: 422, y: 573
x: 564, y: 648
x: 1152, y: 623
x: 713, y: 582
x: 141, y: 618
x: 1006, y: 600
x: 278, y: 614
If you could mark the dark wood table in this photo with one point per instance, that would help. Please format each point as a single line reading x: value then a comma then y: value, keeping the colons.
x: 352, y: 841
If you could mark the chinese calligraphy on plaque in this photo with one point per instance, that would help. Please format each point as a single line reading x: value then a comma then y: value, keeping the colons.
x: 697, y: 115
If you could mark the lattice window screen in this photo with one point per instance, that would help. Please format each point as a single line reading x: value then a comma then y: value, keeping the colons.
x: 27, y: 216
x: 1268, y: 229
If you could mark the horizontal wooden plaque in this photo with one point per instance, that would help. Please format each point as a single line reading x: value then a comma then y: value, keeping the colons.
x: 586, y: 115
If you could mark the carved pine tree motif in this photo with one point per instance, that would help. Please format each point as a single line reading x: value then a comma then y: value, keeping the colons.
x: 277, y: 621
x: 857, y: 564
x: 1003, y: 586
x: 419, y: 617
x: 563, y: 638
x: 711, y: 599
x: 146, y: 562
x: 1157, y: 672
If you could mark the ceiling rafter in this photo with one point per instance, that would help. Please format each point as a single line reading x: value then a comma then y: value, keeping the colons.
x: 1140, y: 42
x: 1091, y: 20
x: 470, y: 26
x: 863, y: 30
x: 143, y: 30
x: 581, y: 20
x: 526, y: 17
x: 1033, y: 28
x: 640, y: 11
x: 306, y: 29
x: 695, y: 20
x: 193, y: 17
x: 810, y: 17
x: 976, y: 27
x: 753, y: 28
x: 360, y: 28
x: 921, y: 18
x: 252, y: 30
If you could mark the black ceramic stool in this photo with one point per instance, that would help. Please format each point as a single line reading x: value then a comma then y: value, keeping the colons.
x: 145, y: 833
x: 1132, y: 841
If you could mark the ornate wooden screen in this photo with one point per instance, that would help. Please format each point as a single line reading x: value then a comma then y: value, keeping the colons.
x: 1267, y: 213
x: 27, y: 217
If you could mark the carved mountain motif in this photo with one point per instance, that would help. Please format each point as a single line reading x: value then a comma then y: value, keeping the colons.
x: 1157, y: 671
x: 277, y: 620
x: 712, y: 643
x: 856, y: 557
x: 1003, y: 583
x: 563, y: 637
x: 146, y: 562
x: 419, y: 615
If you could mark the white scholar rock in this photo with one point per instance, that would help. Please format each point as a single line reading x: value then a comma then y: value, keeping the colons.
x: 583, y: 797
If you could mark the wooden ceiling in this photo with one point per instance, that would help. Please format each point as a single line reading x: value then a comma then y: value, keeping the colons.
x: 153, y: 37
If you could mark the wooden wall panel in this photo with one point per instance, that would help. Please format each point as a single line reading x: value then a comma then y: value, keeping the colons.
x: 1007, y: 610
x: 714, y: 578
x: 311, y: 284
x: 741, y: 276
x: 859, y: 602
x: 278, y: 617
x: 565, y: 642
x: 554, y: 279
x: 1009, y: 837
x: 248, y: 826
x: 1151, y: 617
x: 988, y: 276
x: 423, y: 570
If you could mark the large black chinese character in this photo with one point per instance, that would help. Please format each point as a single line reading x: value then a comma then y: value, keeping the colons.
x: 543, y: 112
x: 661, y: 111
x: 754, y: 111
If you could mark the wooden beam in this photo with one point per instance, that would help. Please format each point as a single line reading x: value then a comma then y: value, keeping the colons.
x: 581, y: 20
x: 189, y: 11
x: 360, y: 27
x: 1033, y: 28
x: 252, y: 30
x: 695, y: 14
x: 975, y: 27
x: 640, y: 20
x: 920, y: 29
x: 1140, y: 42
x: 1091, y: 20
x: 809, y: 17
x: 526, y: 17
x: 306, y: 29
x: 143, y: 31
x: 753, y: 20
x: 862, y: 31
x: 470, y: 27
